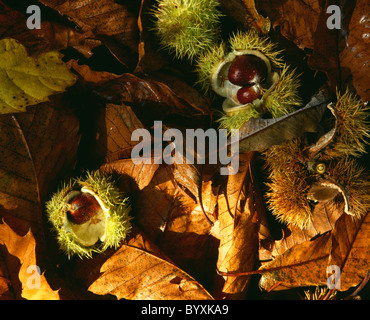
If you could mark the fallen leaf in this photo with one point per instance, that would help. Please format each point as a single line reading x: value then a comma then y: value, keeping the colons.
x: 38, y: 148
x: 352, y: 56
x: 238, y: 231
x: 338, y: 53
x: 108, y: 132
x: 350, y: 250
x: 297, y: 19
x: 26, y: 81
x: 132, y: 273
x: 156, y: 202
x: 103, y: 17
x: 150, y: 100
x: 324, y: 217
x: 51, y: 36
x: 132, y: 176
x: 187, y: 239
x: 245, y: 13
x: 303, y: 264
x: 34, y: 286
x: 90, y: 76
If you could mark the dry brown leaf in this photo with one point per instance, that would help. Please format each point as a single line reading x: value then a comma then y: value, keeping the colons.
x: 184, y: 91
x: 6, y: 290
x: 151, y: 100
x: 51, y: 36
x: 115, y: 126
x: 137, y: 275
x: 245, y: 13
x: 155, y: 203
x: 187, y: 239
x: 351, y: 250
x: 303, y: 264
x: 103, y: 17
x: 338, y: 53
x: 132, y: 176
x: 38, y: 147
x: 324, y: 217
x: 88, y: 270
x: 140, y: 271
x: 238, y: 230
x: 352, y: 57
x: 111, y: 133
x: 297, y: 19
x: 90, y: 76
x: 23, y: 248
x: 113, y: 24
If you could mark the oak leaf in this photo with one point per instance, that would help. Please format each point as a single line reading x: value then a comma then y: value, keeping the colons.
x: 34, y: 286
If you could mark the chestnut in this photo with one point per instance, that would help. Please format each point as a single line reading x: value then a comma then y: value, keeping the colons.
x: 82, y: 208
x: 248, y: 94
x: 247, y: 69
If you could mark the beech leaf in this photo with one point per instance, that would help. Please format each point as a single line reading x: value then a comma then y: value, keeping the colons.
x: 25, y: 81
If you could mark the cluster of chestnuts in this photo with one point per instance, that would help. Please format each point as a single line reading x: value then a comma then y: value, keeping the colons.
x: 248, y: 72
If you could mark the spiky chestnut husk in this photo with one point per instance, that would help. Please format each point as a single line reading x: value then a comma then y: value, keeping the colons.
x: 354, y: 180
x: 280, y: 90
x: 294, y: 182
x: 324, y: 171
x: 106, y: 228
x: 320, y: 294
x: 289, y: 186
x: 187, y: 27
x: 352, y: 134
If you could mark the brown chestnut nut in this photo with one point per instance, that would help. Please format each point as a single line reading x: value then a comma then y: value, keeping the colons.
x: 249, y: 93
x: 247, y: 69
x: 82, y: 208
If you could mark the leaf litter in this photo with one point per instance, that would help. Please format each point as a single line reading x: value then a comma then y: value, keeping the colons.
x: 196, y: 235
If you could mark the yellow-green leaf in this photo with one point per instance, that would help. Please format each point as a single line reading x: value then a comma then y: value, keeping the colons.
x: 25, y: 81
